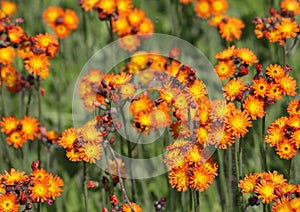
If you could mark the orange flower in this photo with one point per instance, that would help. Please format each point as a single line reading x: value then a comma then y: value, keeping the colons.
x: 226, y: 54
x: 291, y: 5
x: 7, y: 55
x: 16, y: 139
x: 161, y: 117
x: 91, y: 152
x: 274, y: 91
x: 178, y: 178
x: 237, y: 122
x: 186, y: 1
x: 51, y: 14
x: 281, y: 204
x: 287, y: 28
x: 145, y: 27
x: 286, y: 149
x: 8, y: 203
x: 38, y: 65
x: 121, y: 26
x: 129, y: 43
x: 293, y: 108
x: 197, y: 90
x: 88, y: 4
x: 234, y: 88
x: 254, y: 106
x: 265, y: 191
x: 260, y: 87
x: 202, y: 8
x: 276, y: 134
x: 47, y: 43
x: 29, y: 127
x: 288, y: 85
x: 231, y: 29
x: 275, y: 71
x: 39, y: 191
x: 201, y: 178
x: 39, y: 175
x: 74, y: 155
x: 7, y: 8
x: 24, y: 50
x: 55, y: 184
x: 246, y: 55
x: 15, y: 34
x: 124, y: 6
x: 136, y: 16
x: 61, y: 31
x: 12, y: 177
x: 218, y: 7
x: 296, y: 138
x: 142, y: 104
x: 70, y: 19
x: 8, y: 124
x: 225, y: 69
x: 249, y: 182
x: 136, y: 207
x: 107, y: 6
x: 68, y: 137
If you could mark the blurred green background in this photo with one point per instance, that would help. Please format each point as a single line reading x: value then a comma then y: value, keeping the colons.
x: 169, y: 17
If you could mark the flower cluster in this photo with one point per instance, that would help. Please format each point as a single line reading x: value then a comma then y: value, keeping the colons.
x: 83, y: 144
x: 18, y: 131
x: 128, y: 22
x: 270, y: 187
x: 62, y: 22
x: 35, y: 51
x: 189, y: 167
x: 281, y: 25
x: 18, y: 189
x: 208, y: 8
x: 283, y: 133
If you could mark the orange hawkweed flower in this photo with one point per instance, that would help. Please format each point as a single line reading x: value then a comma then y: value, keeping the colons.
x: 237, y: 122
x: 144, y: 103
x: 201, y: 178
x: 234, y: 88
x: 38, y: 65
x: 8, y: 203
x: 161, y: 117
x: 55, y: 184
x: 13, y: 176
x: 124, y: 6
x: 74, y: 155
x: 202, y: 8
x: 265, y: 190
x: 226, y: 54
x: 39, y: 191
x: 121, y: 26
x: 129, y: 43
x: 8, y: 124
x: 291, y: 5
x: 136, y: 207
x: 70, y: 19
x: 88, y: 4
x: 39, y: 175
x: 16, y: 139
x: 91, y: 152
x: 274, y: 91
x: 15, y: 34
x: 225, y: 69
x: 146, y: 27
x: 68, y: 137
x: 231, y: 29
x: 260, y: 87
x: 275, y: 135
x: 7, y: 55
x: 7, y: 8
x: 61, y: 31
x: 255, y: 107
x: 293, y: 108
x: 288, y: 85
x: 275, y: 71
x: 249, y: 182
x: 107, y: 6
x: 178, y: 178
x: 197, y: 90
x: 136, y: 16
x: 281, y: 204
x: 24, y: 50
x: 51, y: 14
x: 286, y: 149
x: 30, y: 127
x: 47, y: 43
x: 295, y: 138
x: 218, y: 7
x: 287, y: 28
x: 246, y: 55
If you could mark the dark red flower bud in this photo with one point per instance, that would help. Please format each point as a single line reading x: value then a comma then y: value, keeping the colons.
x: 35, y: 165
x: 114, y: 200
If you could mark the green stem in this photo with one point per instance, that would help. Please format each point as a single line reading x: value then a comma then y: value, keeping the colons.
x: 28, y: 102
x: 222, y: 178
x: 284, y: 55
x: 237, y: 173
x: 289, y: 169
x: 229, y: 176
x: 2, y: 98
x: 264, y: 147
x: 84, y: 186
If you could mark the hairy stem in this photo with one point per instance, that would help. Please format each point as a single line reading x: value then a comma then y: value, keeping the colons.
x: 84, y: 186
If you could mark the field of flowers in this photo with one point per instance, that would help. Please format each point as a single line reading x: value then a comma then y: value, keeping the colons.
x: 157, y: 105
